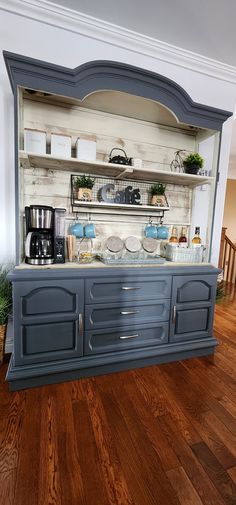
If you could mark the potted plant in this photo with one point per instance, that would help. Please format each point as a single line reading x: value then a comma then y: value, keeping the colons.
x: 193, y: 163
x: 157, y: 191
x: 5, y: 306
x: 83, y: 186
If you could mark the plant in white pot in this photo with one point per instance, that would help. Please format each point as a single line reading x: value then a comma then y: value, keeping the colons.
x: 5, y: 306
x: 83, y: 186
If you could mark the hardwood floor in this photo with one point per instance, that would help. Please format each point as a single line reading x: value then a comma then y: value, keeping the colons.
x: 163, y: 435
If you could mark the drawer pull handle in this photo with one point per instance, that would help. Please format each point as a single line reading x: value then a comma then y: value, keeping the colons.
x: 130, y: 288
x: 129, y: 336
x: 174, y: 314
x: 81, y: 330
x: 128, y: 312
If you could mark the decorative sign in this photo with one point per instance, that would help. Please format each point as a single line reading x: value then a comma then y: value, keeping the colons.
x: 126, y: 196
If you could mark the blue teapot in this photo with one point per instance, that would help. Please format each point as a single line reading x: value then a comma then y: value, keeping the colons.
x: 162, y: 232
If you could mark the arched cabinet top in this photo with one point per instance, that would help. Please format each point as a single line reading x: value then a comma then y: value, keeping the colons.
x: 110, y: 75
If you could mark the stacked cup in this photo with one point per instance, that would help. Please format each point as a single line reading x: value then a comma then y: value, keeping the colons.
x: 83, y: 231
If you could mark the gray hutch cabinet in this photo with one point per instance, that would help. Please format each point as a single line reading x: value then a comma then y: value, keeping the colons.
x: 82, y: 320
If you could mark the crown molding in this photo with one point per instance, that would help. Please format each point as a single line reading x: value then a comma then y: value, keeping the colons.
x: 67, y: 19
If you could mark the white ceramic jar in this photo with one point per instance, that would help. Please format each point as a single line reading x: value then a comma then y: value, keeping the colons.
x: 35, y: 141
x: 61, y: 145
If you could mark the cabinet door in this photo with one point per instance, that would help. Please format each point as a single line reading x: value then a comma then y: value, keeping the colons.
x: 192, y: 307
x: 48, y: 317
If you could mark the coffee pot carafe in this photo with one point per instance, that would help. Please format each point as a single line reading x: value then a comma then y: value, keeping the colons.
x: 39, y: 235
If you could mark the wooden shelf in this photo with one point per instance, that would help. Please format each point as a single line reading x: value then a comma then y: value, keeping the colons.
x: 133, y: 209
x: 104, y: 169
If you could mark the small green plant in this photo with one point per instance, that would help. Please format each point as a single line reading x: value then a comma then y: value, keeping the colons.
x: 84, y: 181
x: 193, y: 160
x: 157, y: 189
x: 5, y: 295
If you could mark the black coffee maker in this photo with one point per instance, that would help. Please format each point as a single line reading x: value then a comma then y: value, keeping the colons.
x: 39, y: 235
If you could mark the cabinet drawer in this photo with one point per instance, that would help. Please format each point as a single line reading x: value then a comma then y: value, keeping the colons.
x: 112, y: 314
x: 127, y: 288
x: 118, y: 339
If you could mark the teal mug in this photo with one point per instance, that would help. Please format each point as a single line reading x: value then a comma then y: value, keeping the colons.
x: 77, y: 229
x: 150, y: 231
x: 89, y: 230
x: 162, y: 232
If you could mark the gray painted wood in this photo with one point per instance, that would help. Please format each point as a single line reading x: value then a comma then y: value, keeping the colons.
x: 114, y: 315
x: 100, y: 75
x: 49, y: 346
x: 127, y: 287
x: 120, y: 339
x: 59, y: 371
x: 193, y: 299
x: 47, y: 316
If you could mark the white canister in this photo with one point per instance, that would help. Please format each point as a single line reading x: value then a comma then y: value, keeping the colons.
x: 136, y: 162
x: 35, y: 141
x: 61, y: 145
x: 86, y: 149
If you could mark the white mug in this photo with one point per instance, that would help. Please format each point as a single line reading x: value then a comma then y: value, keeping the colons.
x: 136, y: 162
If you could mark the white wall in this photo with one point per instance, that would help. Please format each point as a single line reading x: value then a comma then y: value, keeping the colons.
x: 68, y: 48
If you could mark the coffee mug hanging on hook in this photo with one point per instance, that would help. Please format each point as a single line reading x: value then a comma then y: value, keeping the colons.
x: 77, y: 228
x: 89, y: 229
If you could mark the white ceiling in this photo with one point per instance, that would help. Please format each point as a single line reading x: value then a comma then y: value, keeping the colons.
x: 206, y: 27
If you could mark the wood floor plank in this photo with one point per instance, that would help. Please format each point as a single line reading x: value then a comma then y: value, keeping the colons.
x: 11, y: 432
x: 139, y: 456
x: 216, y: 472
x: 228, y: 405
x: 158, y: 441
x: 49, y: 481
x: 154, y: 376
x: 206, y: 392
x: 94, y: 490
x: 232, y: 473
x: 114, y: 478
x: 223, y: 433
x: 27, y: 477
x: 7, y: 488
x: 198, y: 477
x: 205, y: 431
x: 68, y: 454
x: 183, y: 487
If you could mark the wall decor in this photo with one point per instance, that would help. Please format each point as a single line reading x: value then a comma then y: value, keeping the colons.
x: 128, y: 196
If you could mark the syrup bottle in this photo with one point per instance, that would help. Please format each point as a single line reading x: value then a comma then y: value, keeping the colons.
x: 183, y: 241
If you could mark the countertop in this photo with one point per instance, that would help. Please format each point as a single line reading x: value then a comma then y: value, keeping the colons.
x: 100, y: 264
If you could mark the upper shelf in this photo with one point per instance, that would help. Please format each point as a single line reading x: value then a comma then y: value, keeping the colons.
x: 104, y: 169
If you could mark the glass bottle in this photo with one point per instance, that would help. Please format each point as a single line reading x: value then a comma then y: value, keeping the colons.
x: 196, y: 240
x: 173, y: 240
x: 183, y: 241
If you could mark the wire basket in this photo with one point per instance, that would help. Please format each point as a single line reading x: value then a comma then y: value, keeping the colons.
x: 184, y: 255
